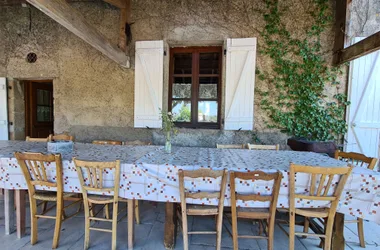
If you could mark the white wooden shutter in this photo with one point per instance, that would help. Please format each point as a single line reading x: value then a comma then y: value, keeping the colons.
x: 363, y: 114
x: 148, y: 83
x: 240, y: 83
x: 3, y: 110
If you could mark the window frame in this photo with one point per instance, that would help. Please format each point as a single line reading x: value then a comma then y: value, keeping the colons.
x: 195, y: 51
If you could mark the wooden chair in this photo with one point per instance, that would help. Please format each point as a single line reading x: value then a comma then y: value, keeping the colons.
x: 61, y: 137
x: 33, y: 166
x: 263, y: 147
x: 267, y: 215
x: 106, y: 142
x: 231, y: 146
x: 30, y: 139
x: 93, y: 172
x: 359, y: 160
x: 321, y: 192
x: 202, y: 210
x: 138, y: 143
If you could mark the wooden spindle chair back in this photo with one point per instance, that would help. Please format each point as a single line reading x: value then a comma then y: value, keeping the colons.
x: 31, y: 139
x: 324, y: 186
x: 93, y: 189
x: 33, y: 166
x: 61, y: 137
x: 254, y: 213
x: 107, y: 142
x: 356, y: 159
x: 231, y: 146
x: 263, y: 147
x: 206, y: 210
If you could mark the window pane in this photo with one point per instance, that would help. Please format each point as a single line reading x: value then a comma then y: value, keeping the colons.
x: 43, y: 97
x: 182, y: 63
x: 208, y: 87
x: 208, y: 111
x: 182, y: 87
x: 44, y: 114
x: 209, y: 63
x: 181, y: 111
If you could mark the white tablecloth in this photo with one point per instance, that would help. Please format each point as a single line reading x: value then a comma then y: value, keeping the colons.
x: 148, y: 173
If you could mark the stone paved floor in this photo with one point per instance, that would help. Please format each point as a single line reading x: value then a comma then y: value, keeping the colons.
x: 149, y: 234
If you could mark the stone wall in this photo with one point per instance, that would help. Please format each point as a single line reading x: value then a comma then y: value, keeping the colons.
x: 93, y: 96
x: 16, y: 110
x: 364, y: 18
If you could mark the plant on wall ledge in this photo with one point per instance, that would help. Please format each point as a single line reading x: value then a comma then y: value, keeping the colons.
x: 296, y: 101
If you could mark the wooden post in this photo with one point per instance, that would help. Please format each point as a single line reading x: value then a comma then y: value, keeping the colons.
x: 131, y: 223
x: 9, y: 211
x: 170, y: 225
x: 338, y: 241
x: 20, y: 213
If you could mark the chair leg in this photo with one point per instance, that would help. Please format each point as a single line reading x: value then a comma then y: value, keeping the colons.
x: 219, y: 231
x: 114, y: 224
x: 306, y: 226
x: 58, y: 223
x: 184, y: 229
x: 87, y: 213
x: 44, y: 206
x: 33, y: 221
x: 361, y: 232
x: 106, y: 211
x: 137, y: 211
x: 130, y: 224
x: 292, y: 222
x: 328, y: 232
x: 270, y: 230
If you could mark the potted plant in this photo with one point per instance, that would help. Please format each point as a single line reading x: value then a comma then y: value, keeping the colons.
x: 298, y: 101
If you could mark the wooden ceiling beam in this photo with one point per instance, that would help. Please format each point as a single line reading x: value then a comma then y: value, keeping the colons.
x: 122, y: 4
x: 362, y: 48
x: 125, y: 18
x: 61, y: 12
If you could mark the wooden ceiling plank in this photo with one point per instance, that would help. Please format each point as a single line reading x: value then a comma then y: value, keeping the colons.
x: 73, y: 20
x: 117, y: 3
x: 362, y: 48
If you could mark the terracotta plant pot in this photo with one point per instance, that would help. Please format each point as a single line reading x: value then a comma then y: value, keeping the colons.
x: 300, y: 144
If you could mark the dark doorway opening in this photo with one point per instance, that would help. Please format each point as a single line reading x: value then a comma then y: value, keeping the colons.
x: 39, y: 110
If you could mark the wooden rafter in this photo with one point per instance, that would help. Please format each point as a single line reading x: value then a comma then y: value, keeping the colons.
x: 341, y: 14
x: 73, y: 20
x: 362, y: 48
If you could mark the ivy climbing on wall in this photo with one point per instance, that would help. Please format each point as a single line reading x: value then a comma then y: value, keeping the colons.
x: 296, y: 101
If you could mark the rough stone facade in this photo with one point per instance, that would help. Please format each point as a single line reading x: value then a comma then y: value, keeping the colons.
x: 93, y: 96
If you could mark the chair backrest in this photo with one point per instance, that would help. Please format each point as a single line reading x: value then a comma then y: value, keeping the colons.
x: 356, y: 159
x: 91, y: 177
x: 33, y: 166
x: 324, y: 177
x: 106, y: 142
x: 28, y: 138
x: 138, y: 143
x: 254, y: 176
x: 202, y: 173
x: 231, y: 146
x: 61, y: 137
x: 263, y: 147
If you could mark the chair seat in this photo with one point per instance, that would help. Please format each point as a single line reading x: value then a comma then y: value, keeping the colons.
x: 252, y: 213
x: 50, y: 196
x: 201, y: 210
x: 313, y: 212
x: 99, y: 199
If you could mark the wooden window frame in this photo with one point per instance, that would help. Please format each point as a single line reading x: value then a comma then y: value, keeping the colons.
x: 195, y: 51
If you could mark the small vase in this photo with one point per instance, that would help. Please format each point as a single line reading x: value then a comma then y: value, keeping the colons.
x: 168, y: 146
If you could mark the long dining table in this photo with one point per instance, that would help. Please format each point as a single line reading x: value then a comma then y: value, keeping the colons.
x: 149, y: 173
